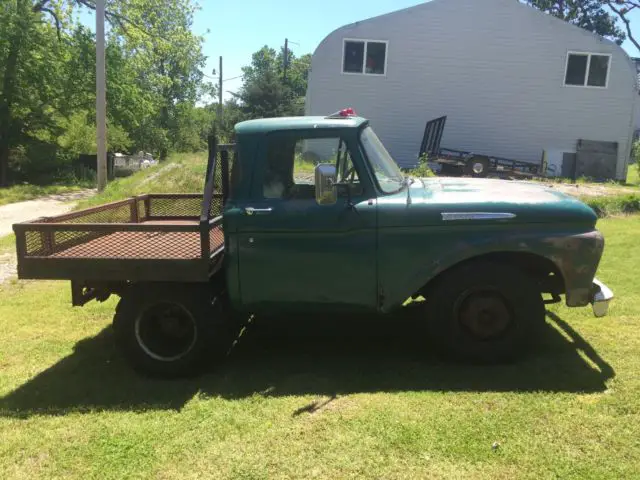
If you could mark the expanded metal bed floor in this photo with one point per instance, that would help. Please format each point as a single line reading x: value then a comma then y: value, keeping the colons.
x: 144, y: 245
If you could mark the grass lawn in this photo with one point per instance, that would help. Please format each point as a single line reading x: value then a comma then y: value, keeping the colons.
x: 332, y: 400
x: 183, y: 172
x: 633, y: 175
x: 7, y: 243
x: 19, y: 193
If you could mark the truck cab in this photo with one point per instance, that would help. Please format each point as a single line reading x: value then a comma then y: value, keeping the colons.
x: 317, y: 217
x: 302, y: 227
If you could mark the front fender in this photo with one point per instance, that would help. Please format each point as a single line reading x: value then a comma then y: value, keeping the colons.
x: 411, y: 257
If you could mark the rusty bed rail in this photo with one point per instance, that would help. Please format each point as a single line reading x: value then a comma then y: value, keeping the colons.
x: 161, y: 228
x: 151, y: 237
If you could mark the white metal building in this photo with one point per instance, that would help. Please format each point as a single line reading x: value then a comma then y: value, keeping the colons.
x: 513, y: 81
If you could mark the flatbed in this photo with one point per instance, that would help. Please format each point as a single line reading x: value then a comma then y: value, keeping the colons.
x: 151, y: 237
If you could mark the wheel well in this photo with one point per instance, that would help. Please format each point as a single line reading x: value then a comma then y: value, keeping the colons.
x: 541, y: 269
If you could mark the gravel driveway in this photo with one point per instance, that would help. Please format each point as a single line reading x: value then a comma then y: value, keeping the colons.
x: 29, y: 210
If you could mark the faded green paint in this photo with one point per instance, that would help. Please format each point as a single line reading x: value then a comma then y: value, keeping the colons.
x: 265, y: 126
x: 387, y: 247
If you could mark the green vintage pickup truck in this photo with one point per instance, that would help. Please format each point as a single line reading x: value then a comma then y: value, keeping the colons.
x: 312, y: 214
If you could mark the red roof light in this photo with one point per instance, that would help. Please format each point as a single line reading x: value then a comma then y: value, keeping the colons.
x: 344, y: 113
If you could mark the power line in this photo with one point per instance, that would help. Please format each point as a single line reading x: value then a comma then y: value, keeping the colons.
x: 217, y: 76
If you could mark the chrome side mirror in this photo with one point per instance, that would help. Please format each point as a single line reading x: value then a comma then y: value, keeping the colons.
x: 326, y: 191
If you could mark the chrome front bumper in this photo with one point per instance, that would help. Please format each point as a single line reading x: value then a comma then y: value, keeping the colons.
x: 601, y: 295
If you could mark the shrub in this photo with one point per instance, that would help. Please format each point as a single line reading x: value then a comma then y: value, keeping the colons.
x: 614, y: 205
x: 635, y: 154
x: 422, y: 169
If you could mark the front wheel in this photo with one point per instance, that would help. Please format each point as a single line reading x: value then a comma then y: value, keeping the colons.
x: 484, y: 312
x: 169, y: 330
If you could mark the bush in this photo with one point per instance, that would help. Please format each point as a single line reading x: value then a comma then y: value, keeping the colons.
x: 422, y: 169
x: 635, y: 154
x: 614, y: 205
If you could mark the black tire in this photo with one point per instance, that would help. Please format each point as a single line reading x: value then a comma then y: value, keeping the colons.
x: 477, y: 167
x: 169, y: 330
x: 484, y: 312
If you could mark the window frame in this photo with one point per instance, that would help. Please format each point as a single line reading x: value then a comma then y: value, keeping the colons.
x: 366, y: 42
x: 586, y: 74
x: 258, y: 178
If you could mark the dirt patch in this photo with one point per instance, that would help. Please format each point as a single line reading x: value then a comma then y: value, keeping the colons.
x: 40, y: 207
x: 161, y: 171
x: 8, y: 266
x: 592, y: 190
x: 31, y: 209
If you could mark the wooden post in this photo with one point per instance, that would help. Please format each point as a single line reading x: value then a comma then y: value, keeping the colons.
x: 286, y: 59
x: 101, y: 97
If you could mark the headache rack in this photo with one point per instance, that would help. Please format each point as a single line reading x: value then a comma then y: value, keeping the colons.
x: 152, y: 237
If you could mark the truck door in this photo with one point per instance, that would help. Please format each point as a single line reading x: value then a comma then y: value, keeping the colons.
x: 294, y: 253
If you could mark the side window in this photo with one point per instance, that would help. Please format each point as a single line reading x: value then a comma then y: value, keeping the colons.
x: 367, y: 57
x: 291, y: 163
x: 587, y: 70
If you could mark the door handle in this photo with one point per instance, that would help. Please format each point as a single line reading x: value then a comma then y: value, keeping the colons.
x: 257, y: 211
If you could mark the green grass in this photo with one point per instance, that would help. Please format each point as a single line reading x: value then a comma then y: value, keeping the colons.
x: 20, y: 193
x: 606, y: 206
x: 633, y: 175
x: 7, y: 243
x: 181, y: 173
x: 324, y: 401
x: 302, y: 166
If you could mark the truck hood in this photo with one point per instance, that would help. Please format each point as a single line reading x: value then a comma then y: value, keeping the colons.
x: 432, y: 201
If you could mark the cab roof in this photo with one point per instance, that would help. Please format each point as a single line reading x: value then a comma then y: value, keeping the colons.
x: 267, y: 125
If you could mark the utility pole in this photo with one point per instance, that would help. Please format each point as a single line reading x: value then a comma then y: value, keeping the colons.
x: 220, y: 98
x: 286, y: 58
x: 101, y: 97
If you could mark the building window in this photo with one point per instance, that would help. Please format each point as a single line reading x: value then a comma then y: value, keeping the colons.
x: 368, y: 57
x: 587, y: 70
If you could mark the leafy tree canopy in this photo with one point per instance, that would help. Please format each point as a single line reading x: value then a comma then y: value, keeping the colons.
x: 47, y: 81
x: 592, y: 15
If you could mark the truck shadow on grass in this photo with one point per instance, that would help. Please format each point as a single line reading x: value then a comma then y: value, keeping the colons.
x: 330, y: 357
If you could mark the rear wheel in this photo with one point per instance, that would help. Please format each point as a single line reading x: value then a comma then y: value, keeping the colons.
x: 484, y: 312
x: 170, y: 330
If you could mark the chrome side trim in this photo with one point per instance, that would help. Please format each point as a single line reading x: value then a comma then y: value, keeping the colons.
x: 454, y: 216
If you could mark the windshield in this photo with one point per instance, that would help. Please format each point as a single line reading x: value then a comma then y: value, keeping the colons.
x: 386, y: 170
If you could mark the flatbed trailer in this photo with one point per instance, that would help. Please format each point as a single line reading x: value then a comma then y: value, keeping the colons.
x: 469, y: 163
x: 151, y: 237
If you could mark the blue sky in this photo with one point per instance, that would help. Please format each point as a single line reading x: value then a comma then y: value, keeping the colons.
x: 240, y: 27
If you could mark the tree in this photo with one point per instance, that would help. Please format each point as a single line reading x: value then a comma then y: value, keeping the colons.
x: 47, y: 79
x: 622, y: 8
x: 265, y: 92
x: 30, y: 72
x: 592, y: 15
x: 166, y: 54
